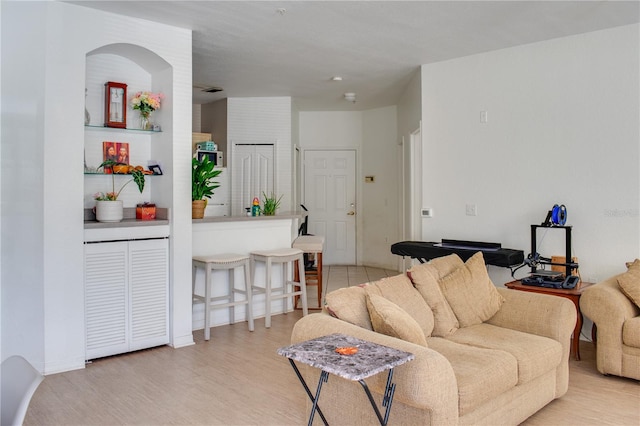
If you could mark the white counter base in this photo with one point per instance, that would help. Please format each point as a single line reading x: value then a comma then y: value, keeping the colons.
x: 241, y: 236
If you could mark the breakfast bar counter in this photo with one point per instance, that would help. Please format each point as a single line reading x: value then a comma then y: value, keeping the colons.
x: 241, y: 235
x: 244, y: 218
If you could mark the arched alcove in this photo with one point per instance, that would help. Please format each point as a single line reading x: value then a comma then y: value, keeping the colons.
x: 144, y: 57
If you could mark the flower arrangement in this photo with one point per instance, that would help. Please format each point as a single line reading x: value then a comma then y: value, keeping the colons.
x: 146, y: 102
x: 138, y: 178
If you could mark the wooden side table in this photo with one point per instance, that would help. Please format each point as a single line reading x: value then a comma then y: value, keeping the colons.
x: 571, y: 294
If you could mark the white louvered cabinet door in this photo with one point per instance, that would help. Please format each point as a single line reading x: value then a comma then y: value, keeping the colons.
x: 126, y: 296
x: 106, y: 298
x: 149, y: 293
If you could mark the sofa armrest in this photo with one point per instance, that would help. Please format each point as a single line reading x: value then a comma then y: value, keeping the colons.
x: 544, y: 315
x: 536, y: 313
x: 427, y: 382
x: 606, y: 305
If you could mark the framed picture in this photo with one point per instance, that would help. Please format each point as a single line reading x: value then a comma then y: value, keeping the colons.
x: 116, y: 151
x: 115, y: 104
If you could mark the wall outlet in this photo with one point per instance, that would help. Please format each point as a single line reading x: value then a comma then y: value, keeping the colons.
x: 427, y: 212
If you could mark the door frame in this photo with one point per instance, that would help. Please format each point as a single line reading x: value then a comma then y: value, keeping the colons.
x: 358, y: 202
x: 411, y: 190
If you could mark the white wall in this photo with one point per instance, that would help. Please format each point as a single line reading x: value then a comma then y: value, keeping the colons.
x: 42, y: 172
x: 562, y: 128
x: 380, y: 205
x: 409, y: 120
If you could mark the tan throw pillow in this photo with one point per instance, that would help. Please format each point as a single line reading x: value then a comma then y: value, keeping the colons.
x: 389, y: 319
x: 425, y: 279
x: 470, y: 292
x: 629, y: 283
x: 635, y: 265
x: 399, y: 290
x: 349, y: 304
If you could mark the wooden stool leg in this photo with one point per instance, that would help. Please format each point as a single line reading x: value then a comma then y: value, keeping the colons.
x: 319, y: 277
x: 296, y: 278
x: 303, y: 286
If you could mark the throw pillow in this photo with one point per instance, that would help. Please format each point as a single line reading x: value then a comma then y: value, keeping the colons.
x: 629, y: 283
x: 633, y: 265
x: 399, y: 290
x: 349, y: 304
x: 425, y: 279
x: 389, y: 319
x: 470, y: 292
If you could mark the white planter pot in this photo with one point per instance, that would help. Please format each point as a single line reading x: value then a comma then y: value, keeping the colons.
x: 109, y: 211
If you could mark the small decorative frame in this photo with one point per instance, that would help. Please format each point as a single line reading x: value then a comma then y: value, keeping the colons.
x: 115, y: 104
x: 116, y: 151
x: 155, y: 168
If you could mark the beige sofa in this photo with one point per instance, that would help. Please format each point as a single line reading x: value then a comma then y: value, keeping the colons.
x: 482, y: 355
x: 617, y: 318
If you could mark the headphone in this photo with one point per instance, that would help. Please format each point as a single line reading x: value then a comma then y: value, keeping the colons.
x: 559, y: 214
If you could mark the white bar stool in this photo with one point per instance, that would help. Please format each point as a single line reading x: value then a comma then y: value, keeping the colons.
x: 311, y: 244
x: 284, y: 257
x: 229, y: 262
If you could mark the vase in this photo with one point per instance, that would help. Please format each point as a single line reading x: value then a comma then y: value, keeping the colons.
x: 145, y: 124
x: 109, y: 211
x: 197, y: 209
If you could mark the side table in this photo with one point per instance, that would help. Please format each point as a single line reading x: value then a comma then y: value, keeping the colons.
x: 370, y: 359
x: 571, y: 294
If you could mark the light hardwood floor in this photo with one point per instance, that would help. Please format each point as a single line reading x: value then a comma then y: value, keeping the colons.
x: 237, y: 378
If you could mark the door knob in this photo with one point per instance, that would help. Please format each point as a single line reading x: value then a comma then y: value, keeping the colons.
x: 351, y: 213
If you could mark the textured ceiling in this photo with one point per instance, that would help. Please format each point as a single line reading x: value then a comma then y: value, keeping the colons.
x: 255, y: 48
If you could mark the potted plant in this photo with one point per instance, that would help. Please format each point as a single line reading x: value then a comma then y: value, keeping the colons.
x: 202, y: 184
x: 108, y: 207
x: 270, y: 204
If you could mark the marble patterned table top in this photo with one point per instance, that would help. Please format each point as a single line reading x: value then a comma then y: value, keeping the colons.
x: 370, y: 359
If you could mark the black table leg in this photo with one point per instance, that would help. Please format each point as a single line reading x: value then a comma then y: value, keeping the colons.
x: 323, y: 378
x: 387, y: 399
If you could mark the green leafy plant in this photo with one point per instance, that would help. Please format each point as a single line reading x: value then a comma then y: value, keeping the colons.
x: 202, y: 175
x: 270, y: 204
x: 137, y: 177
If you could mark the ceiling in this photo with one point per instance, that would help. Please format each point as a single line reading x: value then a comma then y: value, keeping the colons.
x: 294, y: 48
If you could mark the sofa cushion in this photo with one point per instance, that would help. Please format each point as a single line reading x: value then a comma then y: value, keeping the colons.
x: 535, y: 354
x: 425, y: 279
x: 399, y: 290
x: 631, y: 332
x: 349, y: 304
x: 470, y: 292
x: 389, y: 319
x: 629, y: 283
x: 481, y: 374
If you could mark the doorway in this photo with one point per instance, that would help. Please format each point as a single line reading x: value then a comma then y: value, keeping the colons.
x: 330, y: 197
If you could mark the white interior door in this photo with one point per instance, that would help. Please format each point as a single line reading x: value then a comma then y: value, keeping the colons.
x: 330, y: 197
x: 252, y: 174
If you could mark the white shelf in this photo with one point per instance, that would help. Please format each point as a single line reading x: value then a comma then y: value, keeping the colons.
x: 118, y: 129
